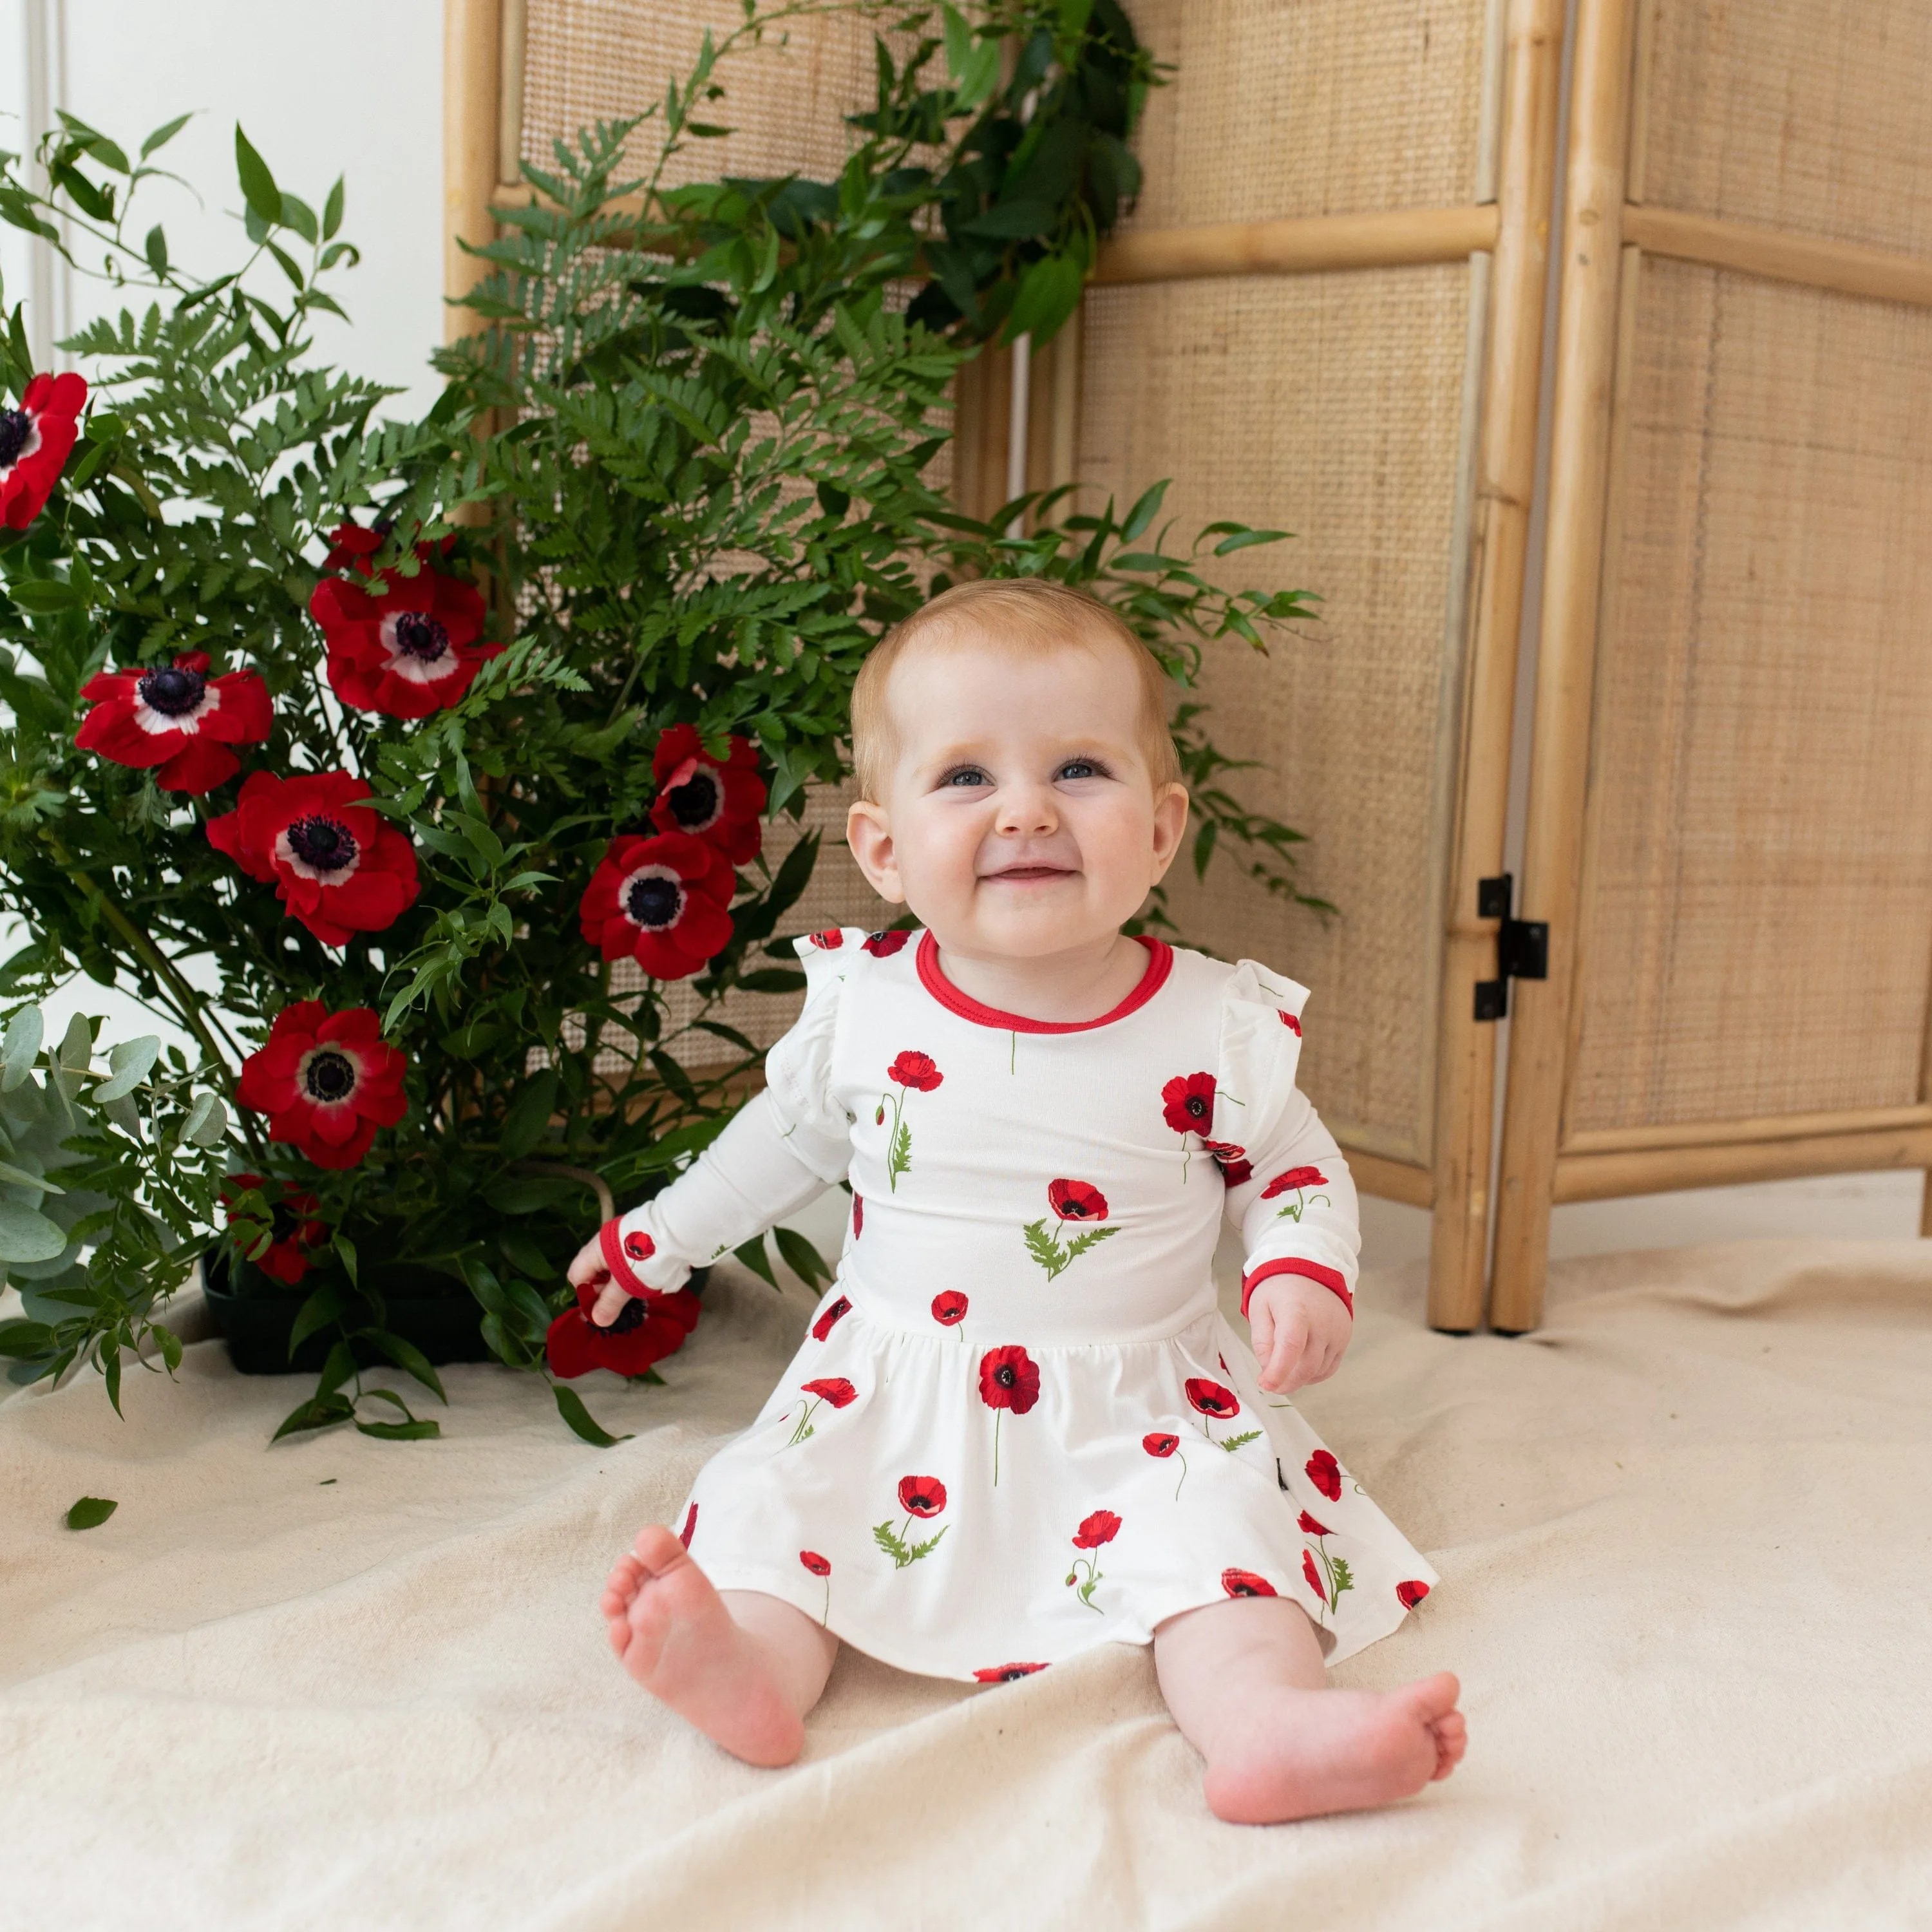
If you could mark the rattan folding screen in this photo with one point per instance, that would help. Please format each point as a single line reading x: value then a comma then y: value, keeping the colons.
x: 1327, y: 315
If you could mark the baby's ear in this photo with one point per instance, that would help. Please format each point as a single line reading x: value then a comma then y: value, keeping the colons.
x: 869, y: 832
x: 1170, y: 825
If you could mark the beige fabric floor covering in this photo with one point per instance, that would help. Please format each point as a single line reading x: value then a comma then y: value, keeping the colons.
x: 1684, y: 1534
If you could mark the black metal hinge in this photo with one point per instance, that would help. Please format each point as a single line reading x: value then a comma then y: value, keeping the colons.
x: 1522, y: 947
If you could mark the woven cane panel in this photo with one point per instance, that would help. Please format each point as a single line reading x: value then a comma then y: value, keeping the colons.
x: 1329, y: 406
x: 1297, y: 107
x: 1810, y: 115
x: 1759, y: 882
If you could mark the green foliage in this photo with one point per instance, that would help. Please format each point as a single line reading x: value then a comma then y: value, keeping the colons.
x: 91, y: 1512
x: 893, y: 1543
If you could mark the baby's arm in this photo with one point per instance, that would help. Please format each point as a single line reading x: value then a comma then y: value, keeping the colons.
x: 754, y: 1174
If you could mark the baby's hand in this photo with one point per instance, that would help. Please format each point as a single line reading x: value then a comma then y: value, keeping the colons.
x: 1299, y: 1330
x: 588, y: 1269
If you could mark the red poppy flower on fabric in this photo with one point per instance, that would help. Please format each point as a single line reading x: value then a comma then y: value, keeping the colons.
x: 817, y: 1564
x: 638, y: 1246
x: 293, y: 1230
x: 1009, y: 1378
x: 1309, y: 1527
x: 950, y: 1308
x: 1313, y: 1575
x: 338, y: 867
x: 1005, y: 1673
x: 921, y: 1496
x: 1103, y: 1526
x: 1293, y: 1024
x: 823, y: 1326
x: 177, y: 717
x: 644, y: 1333
x: 690, y: 1524
x: 326, y: 1081
x: 698, y: 796
x: 915, y: 1070
x: 662, y: 901
x: 829, y: 940
x: 1410, y: 1595
x: 1246, y: 1583
x: 834, y: 1389
x: 1294, y: 1180
x: 1325, y: 1473
x: 1076, y: 1200
x: 406, y: 649
x: 1232, y: 1161
x: 1189, y: 1103
x: 1211, y: 1399
x: 1160, y: 1443
x: 883, y: 945
x: 35, y: 440
x: 858, y: 1215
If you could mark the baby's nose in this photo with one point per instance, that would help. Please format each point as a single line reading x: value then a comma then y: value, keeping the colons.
x: 1028, y: 809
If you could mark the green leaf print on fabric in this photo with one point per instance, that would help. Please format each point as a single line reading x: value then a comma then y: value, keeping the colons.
x: 1071, y: 1201
x: 921, y: 1497
x: 1098, y: 1528
x: 1332, y: 1577
x: 1231, y: 1443
x: 910, y: 1070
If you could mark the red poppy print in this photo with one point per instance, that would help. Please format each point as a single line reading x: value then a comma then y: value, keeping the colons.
x: 883, y: 945
x: 827, y: 941
x: 326, y: 1082
x: 1210, y: 1398
x: 644, y: 1333
x: 662, y: 901
x: 1071, y: 1201
x: 1409, y: 1594
x: 293, y: 1233
x: 1328, y: 1576
x: 1297, y: 1180
x: 1232, y: 1159
x: 176, y: 717
x: 1009, y: 1379
x: 36, y: 439
x: 1293, y: 1024
x: 910, y: 1072
x: 1103, y: 1526
x: 833, y: 1389
x: 949, y: 1310
x: 922, y: 1498
x: 690, y: 1524
x: 1309, y: 1527
x: 834, y: 1312
x: 1006, y: 1673
x: 703, y: 797
x: 858, y: 1215
x: 1095, y: 1531
x: 1188, y: 1103
x: 1325, y: 1473
x: 407, y: 649
x: 1313, y: 1575
x: 338, y: 867
x: 820, y: 1566
x: 1246, y: 1583
x: 1161, y: 1444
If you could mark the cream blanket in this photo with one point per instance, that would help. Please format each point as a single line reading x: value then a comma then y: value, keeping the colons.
x: 1683, y: 1533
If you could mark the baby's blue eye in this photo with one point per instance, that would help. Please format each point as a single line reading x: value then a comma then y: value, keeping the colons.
x: 967, y: 774
x: 1081, y: 768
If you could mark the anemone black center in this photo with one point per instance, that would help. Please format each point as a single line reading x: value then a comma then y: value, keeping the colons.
x: 631, y: 1315
x: 695, y: 803
x: 171, y: 692
x: 421, y: 637
x: 16, y: 426
x: 1006, y: 1375
x: 653, y: 903
x: 323, y: 845
x: 331, y: 1076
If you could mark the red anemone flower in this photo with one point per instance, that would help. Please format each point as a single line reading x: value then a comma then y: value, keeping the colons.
x: 177, y: 717
x: 1009, y: 1378
x: 823, y: 1326
x: 915, y: 1070
x: 818, y: 1565
x: 1410, y: 1595
x: 293, y: 1230
x: 1189, y: 1103
x: 35, y: 439
x: 1103, y: 1526
x: 1309, y: 1527
x: 1005, y: 1673
x: 690, y: 1524
x: 1160, y: 1443
x: 326, y: 1081
x: 1232, y: 1161
x: 1246, y: 1583
x: 829, y: 940
x: 1211, y: 1399
x: 338, y: 866
x: 921, y: 1496
x: 949, y: 1310
x: 1076, y: 1200
x: 1325, y: 1473
x: 1293, y: 1024
x: 410, y: 648
x: 1313, y: 1575
x: 660, y: 901
x: 883, y: 945
x: 644, y: 1334
x: 719, y: 802
x: 1295, y: 1178
x: 834, y: 1389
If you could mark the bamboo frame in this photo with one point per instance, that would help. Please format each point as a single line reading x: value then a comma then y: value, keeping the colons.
x: 1847, y: 268
x: 1307, y: 245
x: 1603, y: 1176
x: 472, y: 57
x: 1762, y: 1127
x: 1392, y: 1180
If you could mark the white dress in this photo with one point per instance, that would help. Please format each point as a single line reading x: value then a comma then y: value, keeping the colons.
x: 1017, y: 1426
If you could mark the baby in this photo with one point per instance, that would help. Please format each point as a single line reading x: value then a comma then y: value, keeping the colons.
x: 1017, y: 1426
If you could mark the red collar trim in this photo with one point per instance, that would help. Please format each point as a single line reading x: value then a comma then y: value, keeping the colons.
x: 1160, y: 963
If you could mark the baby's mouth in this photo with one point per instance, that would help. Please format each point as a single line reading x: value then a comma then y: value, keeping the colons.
x: 1029, y: 874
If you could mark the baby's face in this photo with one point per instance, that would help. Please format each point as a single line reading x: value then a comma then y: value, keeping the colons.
x: 1021, y: 819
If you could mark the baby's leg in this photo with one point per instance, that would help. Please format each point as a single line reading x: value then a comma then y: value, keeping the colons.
x: 743, y: 1667
x: 1245, y: 1682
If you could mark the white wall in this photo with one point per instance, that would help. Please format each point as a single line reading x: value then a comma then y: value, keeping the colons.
x: 355, y: 88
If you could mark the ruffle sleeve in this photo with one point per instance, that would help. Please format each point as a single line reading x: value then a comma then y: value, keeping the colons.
x: 798, y: 1070
x: 1289, y: 1190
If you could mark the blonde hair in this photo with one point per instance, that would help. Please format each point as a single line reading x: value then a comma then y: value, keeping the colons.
x: 1023, y: 616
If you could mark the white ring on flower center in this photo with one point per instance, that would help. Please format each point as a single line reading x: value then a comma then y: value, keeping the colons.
x: 287, y: 855
x: 632, y: 879
x: 155, y: 722
x: 340, y: 1053
x: 415, y: 670
x: 27, y: 448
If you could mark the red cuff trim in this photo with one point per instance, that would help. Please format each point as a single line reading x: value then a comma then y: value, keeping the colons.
x: 619, y: 1250
x: 1330, y: 1278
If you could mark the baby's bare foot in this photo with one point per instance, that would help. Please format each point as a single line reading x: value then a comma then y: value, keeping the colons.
x: 1309, y: 1752
x: 671, y: 1631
